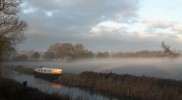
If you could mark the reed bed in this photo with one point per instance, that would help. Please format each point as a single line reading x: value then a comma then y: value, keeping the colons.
x: 127, y: 86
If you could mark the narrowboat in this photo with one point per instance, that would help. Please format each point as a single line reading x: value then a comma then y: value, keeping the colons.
x: 52, y: 74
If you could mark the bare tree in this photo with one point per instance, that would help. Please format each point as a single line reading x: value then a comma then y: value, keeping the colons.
x: 49, y: 55
x: 68, y: 51
x: 167, y: 51
x: 11, y: 27
x: 35, y: 56
x: 65, y: 50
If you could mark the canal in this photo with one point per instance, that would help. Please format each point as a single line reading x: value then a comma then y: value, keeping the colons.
x: 53, y: 87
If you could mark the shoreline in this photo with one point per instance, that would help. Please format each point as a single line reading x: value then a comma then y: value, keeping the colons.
x: 12, y: 90
x: 124, y: 86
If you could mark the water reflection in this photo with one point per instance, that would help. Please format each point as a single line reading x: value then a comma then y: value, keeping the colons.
x: 56, y: 85
x: 52, y: 87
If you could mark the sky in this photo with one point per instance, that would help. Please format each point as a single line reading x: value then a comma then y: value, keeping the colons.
x: 102, y: 25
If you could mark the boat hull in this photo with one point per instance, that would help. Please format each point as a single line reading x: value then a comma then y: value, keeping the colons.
x: 51, y: 77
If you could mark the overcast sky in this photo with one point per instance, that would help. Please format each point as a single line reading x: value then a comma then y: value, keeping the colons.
x: 103, y: 25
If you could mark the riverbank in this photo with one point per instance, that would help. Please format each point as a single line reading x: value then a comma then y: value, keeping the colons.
x: 127, y: 87
x: 12, y: 90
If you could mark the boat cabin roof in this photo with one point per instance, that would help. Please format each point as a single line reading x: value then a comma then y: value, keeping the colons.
x: 46, y: 68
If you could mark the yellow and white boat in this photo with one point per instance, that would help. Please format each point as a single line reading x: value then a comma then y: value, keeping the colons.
x: 47, y: 73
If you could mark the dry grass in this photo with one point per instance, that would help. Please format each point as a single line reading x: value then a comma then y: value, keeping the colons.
x: 127, y: 86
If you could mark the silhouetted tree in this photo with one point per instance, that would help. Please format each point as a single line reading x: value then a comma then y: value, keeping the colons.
x: 11, y: 52
x: 49, y: 55
x: 11, y: 27
x: 79, y: 49
x: 167, y: 51
x: 65, y: 50
x: 68, y: 51
x: 102, y: 54
x: 20, y: 58
x: 81, y: 52
x: 35, y: 56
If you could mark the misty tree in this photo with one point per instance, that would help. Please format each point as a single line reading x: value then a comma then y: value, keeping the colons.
x: 65, y: 50
x: 11, y: 27
x: 35, y: 56
x: 22, y: 57
x: 54, y: 48
x: 10, y: 53
x: 81, y: 52
x: 79, y: 48
x: 49, y: 55
x: 167, y: 51
x: 102, y: 54
x: 68, y: 51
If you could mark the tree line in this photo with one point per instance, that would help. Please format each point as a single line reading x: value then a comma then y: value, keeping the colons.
x: 68, y: 51
x: 11, y: 34
x: 55, y: 51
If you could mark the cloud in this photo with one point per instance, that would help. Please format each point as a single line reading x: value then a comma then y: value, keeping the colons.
x: 98, y: 24
x: 177, y: 28
x: 80, y: 13
x: 146, y: 35
x: 107, y: 27
x: 158, y: 23
x: 72, y: 20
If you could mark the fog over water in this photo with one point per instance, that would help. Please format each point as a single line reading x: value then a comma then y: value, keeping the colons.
x: 170, y: 68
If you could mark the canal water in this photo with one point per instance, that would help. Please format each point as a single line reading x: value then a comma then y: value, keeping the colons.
x: 169, y: 68
x: 51, y: 87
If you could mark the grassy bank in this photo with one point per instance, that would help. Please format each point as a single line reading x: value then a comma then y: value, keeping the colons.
x: 127, y: 86
x: 11, y: 90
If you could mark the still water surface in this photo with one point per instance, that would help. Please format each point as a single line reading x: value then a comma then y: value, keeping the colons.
x: 170, y: 68
x: 51, y: 87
